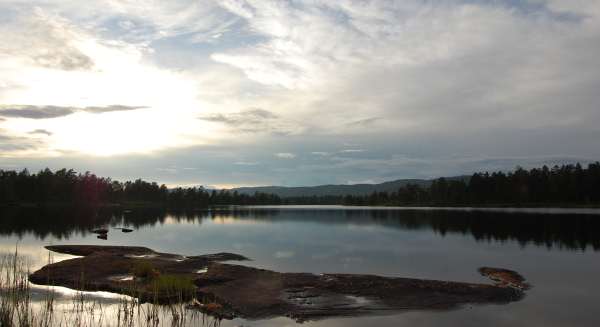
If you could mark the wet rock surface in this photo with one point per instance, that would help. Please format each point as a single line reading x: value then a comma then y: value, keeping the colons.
x: 505, y: 277
x: 256, y: 293
x: 98, y: 267
x: 228, y: 290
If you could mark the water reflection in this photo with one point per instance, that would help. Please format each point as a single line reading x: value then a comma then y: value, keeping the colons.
x: 561, y: 230
x: 418, y: 243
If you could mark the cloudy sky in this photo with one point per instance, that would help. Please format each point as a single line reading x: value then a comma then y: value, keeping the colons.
x: 260, y: 92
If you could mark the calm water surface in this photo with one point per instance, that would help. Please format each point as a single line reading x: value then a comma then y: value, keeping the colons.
x: 556, y: 250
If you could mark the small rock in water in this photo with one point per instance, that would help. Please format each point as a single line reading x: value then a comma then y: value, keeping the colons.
x: 505, y: 277
x: 100, y: 231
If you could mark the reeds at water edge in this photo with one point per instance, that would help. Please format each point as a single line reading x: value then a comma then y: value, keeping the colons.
x: 22, y: 304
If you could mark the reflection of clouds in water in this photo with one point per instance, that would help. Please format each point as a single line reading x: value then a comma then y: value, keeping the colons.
x: 284, y: 254
x: 573, y: 231
x: 242, y: 246
x: 366, y: 228
x: 39, y: 292
x: 405, y: 244
x: 325, y: 255
x: 106, y: 309
x: 34, y: 255
x: 170, y: 220
x: 221, y: 220
x: 351, y: 261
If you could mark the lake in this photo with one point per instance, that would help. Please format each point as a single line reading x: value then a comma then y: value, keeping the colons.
x: 556, y: 250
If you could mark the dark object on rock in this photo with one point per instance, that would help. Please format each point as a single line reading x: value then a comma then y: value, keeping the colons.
x: 248, y: 292
x: 505, y: 277
x: 100, y: 231
x: 102, y: 236
x: 125, y: 230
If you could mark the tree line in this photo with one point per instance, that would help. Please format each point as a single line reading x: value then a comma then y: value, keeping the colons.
x: 559, y: 185
x: 68, y: 187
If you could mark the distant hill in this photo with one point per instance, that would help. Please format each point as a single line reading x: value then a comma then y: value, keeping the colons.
x: 353, y: 189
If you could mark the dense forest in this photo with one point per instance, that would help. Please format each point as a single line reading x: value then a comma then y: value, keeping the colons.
x: 559, y: 185
x: 68, y: 187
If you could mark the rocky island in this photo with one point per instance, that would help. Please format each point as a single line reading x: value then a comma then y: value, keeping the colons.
x: 227, y: 290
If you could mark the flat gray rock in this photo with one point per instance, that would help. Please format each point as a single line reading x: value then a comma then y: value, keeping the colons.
x: 227, y: 290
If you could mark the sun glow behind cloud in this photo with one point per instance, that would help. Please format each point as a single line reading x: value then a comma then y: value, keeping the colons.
x: 119, y: 75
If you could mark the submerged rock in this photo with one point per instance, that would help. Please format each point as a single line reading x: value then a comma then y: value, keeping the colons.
x: 230, y: 290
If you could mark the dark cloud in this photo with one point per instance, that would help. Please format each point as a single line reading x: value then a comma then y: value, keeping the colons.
x: 11, y: 143
x: 35, y: 112
x: 253, y: 121
x: 261, y: 113
x: 46, y: 112
x: 364, y: 122
x: 41, y: 131
x: 244, y: 118
x: 67, y: 59
x: 114, y: 107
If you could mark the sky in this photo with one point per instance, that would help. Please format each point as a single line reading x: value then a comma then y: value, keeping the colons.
x: 258, y: 92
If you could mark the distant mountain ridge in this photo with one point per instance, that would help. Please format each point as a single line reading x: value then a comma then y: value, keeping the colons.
x: 339, y: 190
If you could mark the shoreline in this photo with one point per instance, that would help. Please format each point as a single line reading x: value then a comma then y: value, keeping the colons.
x: 155, y: 205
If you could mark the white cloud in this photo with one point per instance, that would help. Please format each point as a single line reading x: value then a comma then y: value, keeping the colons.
x: 414, y: 65
x: 43, y: 40
x: 285, y: 155
x: 384, y: 76
x: 246, y: 163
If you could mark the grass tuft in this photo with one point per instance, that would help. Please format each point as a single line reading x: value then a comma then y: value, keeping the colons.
x: 144, y: 269
x: 174, y: 284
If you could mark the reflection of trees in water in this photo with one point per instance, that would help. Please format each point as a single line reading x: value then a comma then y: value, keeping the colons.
x: 62, y: 223
x: 565, y: 231
x: 562, y: 231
